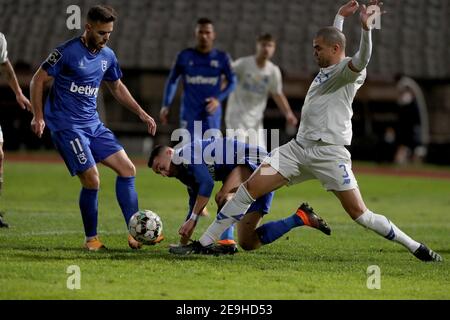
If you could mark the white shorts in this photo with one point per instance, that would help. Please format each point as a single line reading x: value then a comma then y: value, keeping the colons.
x: 330, y: 164
x: 1, y: 135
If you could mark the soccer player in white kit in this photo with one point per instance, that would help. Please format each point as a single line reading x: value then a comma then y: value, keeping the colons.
x: 319, y: 152
x: 7, y: 69
x: 257, y: 78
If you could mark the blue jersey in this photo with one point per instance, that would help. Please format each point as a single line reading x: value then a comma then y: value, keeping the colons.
x: 77, y: 73
x: 202, y: 162
x: 201, y: 75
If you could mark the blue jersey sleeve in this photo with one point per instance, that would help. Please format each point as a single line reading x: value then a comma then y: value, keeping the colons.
x: 172, y: 82
x: 55, y: 61
x: 192, y: 198
x: 113, y: 73
x: 203, y: 178
x: 231, y: 79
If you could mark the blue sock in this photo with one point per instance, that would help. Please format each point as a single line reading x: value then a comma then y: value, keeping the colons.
x: 89, y: 210
x: 228, y: 234
x: 127, y: 196
x: 271, y: 231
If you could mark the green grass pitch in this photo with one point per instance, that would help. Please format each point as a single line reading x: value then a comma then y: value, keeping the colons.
x: 46, y: 236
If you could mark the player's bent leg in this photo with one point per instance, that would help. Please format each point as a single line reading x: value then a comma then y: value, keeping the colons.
x: 88, y: 203
x: 264, y: 180
x: 354, y: 205
x: 121, y: 164
x: 125, y: 182
x: 230, y: 185
x: 246, y: 228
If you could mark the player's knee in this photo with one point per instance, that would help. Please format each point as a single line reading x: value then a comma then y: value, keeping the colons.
x: 128, y: 170
x: 91, y: 181
x: 355, y: 210
x: 2, y: 154
x: 221, y: 199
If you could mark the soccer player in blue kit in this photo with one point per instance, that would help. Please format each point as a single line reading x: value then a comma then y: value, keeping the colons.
x: 201, y: 69
x: 77, y: 69
x: 200, y: 163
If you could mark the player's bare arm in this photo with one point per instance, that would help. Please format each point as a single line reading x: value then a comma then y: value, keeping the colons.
x: 8, y: 71
x: 188, y: 227
x: 37, y: 85
x: 283, y: 104
x: 121, y: 94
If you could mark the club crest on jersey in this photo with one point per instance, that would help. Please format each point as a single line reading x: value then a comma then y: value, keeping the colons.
x: 104, y: 65
x: 54, y: 57
x: 82, y: 159
x: 321, y: 77
x: 214, y: 63
x: 81, y: 64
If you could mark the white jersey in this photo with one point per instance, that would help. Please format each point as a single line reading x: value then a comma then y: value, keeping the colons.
x: 246, y: 104
x: 327, y: 111
x: 3, y: 51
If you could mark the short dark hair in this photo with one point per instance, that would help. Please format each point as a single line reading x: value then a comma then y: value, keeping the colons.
x: 101, y: 13
x: 265, y: 37
x: 204, y: 20
x: 157, y: 150
x: 332, y: 36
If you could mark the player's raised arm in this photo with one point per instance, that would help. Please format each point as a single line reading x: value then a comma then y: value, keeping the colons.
x: 37, y: 85
x: 121, y: 94
x: 345, y: 11
x: 361, y: 59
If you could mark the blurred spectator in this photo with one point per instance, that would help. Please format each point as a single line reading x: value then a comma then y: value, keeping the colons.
x: 412, y: 128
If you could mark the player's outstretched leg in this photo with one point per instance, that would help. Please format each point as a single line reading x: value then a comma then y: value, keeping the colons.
x: 352, y: 202
x: 271, y: 231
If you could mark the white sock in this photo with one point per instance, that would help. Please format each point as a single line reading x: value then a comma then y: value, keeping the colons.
x: 381, y: 225
x: 231, y: 212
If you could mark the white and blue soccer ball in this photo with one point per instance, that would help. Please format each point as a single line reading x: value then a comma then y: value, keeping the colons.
x: 145, y: 226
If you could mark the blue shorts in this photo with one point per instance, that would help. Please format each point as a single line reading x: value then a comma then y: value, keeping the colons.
x: 262, y: 204
x: 82, y: 148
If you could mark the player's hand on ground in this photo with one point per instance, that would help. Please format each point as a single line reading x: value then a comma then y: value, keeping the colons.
x: 164, y: 115
x: 23, y: 102
x: 212, y: 105
x: 367, y: 16
x: 151, y: 124
x: 187, y: 228
x: 37, y: 126
x: 291, y: 119
x: 349, y: 8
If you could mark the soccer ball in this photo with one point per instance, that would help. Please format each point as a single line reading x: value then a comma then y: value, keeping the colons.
x: 145, y: 226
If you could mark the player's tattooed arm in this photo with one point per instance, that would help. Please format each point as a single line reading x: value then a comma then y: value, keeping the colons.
x: 37, y: 85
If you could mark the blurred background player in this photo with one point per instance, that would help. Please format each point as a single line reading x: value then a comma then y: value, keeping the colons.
x: 193, y: 167
x: 78, y: 67
x: 7, y: 71
x: 318, y: 151
x: 257, y: 78
x: 201, y: 69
